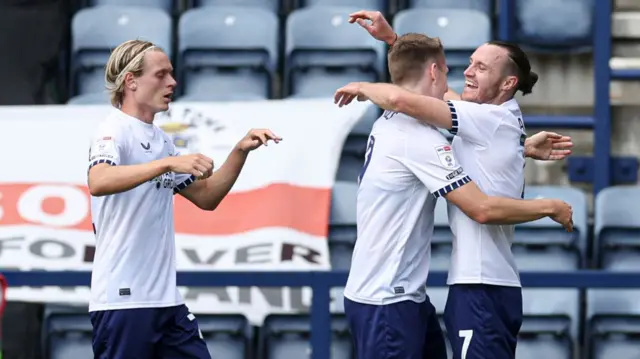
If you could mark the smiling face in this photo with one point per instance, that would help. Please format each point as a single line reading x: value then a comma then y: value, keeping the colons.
x: 487, y: 79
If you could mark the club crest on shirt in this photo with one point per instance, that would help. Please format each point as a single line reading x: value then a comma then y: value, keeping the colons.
x: 445, y: 155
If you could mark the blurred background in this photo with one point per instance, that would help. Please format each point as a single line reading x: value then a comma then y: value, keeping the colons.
x: 586, y: 52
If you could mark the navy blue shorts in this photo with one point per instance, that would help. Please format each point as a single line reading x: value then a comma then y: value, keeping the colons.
x: 403, y: 330
x: 147, y: 333
x: 483, y: 321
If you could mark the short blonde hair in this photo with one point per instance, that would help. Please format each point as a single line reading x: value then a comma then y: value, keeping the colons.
x: 127, y: 57
x: 410, y: 54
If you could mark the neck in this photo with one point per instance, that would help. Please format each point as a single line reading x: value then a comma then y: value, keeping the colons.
x: 500, y: 99
x: 138, y: 112
x: 417, y: 88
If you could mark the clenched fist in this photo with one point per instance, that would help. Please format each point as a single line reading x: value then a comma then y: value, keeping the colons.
x: 198, y: 165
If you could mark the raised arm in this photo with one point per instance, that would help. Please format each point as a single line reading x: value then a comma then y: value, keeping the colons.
x: 208, y: 194
x: 394, y: 98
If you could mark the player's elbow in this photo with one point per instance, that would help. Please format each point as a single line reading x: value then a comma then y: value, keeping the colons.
x: 397, y: 102
x: 480, y: 214
x: 97, y: 189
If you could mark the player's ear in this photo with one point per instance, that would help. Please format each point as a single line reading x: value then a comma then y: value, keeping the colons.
x: 129, y: 81
x: 510, y: 83
x: 433, y: 69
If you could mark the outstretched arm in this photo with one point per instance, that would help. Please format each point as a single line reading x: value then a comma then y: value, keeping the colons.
x: 500, y: 210
x: 394, y: 98
x: 208, y: 194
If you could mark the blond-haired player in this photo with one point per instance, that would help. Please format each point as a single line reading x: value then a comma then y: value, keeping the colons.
x: 134, y: 171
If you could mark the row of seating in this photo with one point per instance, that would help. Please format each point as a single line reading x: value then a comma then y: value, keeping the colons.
x: 539, y: 245
x: 549, y: 330
x: 233, y: 51
x: 278, y: 6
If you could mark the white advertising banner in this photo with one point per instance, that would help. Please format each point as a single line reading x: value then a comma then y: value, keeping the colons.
x: 275, y: 217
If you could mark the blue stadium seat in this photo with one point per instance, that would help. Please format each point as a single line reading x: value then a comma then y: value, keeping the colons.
x: 324, y: 52
x: 287, y: 336
x: 485, y: 6
x: 380, y: 5
x: 452, y: 27
x: 96, y: 31
x: 271, y: 5
x: 546, y: 240
x: 225, y: 50
x: 555, y: 24
x: 227, y: 336
x: 342, y: 224
x: 617, y: 227
x: 95, y: 98
x: 166, y: 5
x: 613, y: 315
x: 67, y: 332
x: 355, y: 145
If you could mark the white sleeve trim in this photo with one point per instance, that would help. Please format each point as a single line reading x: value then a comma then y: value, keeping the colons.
x: 184, y: 184
x: 452, y: 186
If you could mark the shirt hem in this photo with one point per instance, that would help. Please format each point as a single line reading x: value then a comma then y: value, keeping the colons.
x: 503, y: 283
x: 115, y: 306
x: 385, y: 301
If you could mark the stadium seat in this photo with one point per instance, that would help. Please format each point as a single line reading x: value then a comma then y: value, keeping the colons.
x: 555, y: 25
x: 380, y: 5
x: 166, y: 5
x: 287, y: 336
x: 546, y: 240
x: 342, y: 224
x: 485, y: 6
x: 96, y: 31
x: 617, y: 227
x: 67, y: 332
x: 271, y: 5
x: 227, y: 336
x: 95, y: 98
x: 451, y: 26
x: 613, y: 315
x: 324, y: 52
x: 228, y: 50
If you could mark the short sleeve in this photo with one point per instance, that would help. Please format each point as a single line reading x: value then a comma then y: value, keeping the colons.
x: 182, y: 180
x: 434, y: 163
x: 107, y: 147
x: 474, y: 122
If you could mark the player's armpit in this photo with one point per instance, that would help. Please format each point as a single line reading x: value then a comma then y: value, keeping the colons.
x: 498, y: 210
x: 105, y: 179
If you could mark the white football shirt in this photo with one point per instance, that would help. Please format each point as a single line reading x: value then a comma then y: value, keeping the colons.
x: 489, y: 143
x: 135, y: 259
x: 408, y: 165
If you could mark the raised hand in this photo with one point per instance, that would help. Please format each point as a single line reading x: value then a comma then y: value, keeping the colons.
x: 548, y: 146
x: 256, y: 138
x: 375, y: 24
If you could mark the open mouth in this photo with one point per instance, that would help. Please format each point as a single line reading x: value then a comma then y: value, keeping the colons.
x: 168, y: 96
x: 470, y: 85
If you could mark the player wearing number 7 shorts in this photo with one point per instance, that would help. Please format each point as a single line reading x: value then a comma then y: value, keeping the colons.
x: 483, y: 313
x: 408, y: 165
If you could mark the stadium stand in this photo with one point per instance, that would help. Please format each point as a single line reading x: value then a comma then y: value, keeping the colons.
x: 224, y: 51
x: 271, y: 5
x: 323, y: 52
x: 166, y: 5
x: 252, y: 50
x: 96, y: 30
